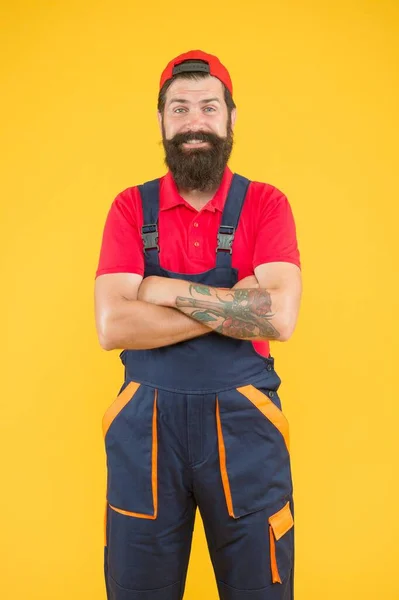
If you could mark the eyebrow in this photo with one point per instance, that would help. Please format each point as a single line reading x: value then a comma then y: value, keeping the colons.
x: 184, y: 101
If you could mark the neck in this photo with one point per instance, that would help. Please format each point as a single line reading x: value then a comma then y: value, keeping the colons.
x: 196, y: 198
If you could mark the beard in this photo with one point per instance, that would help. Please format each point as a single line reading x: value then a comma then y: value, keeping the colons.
x: 198, y: 168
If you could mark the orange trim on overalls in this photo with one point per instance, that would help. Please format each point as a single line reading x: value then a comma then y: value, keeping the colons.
x: 118, y: 404
x: 269, y: 409
x: 279, y: 524
x: 273, y: 561
x: 109, y: 416
x: 222, y: 460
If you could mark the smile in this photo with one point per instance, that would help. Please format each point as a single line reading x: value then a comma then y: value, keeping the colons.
x: 195, y: 143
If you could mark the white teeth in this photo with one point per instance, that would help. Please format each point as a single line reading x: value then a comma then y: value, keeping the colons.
x: 194, y: 142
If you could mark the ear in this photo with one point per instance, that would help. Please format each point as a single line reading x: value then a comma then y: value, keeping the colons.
x: 159, y: 115
x: 233, y: 117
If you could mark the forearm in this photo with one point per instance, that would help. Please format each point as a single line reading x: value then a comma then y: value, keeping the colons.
x: 136, y: 325
x: 249, y: 314
x: 244, y: 313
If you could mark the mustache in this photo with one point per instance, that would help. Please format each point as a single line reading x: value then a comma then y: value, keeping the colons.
x: 202, y: 136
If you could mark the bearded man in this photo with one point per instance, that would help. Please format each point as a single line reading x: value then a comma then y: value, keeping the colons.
x: 198, y: 271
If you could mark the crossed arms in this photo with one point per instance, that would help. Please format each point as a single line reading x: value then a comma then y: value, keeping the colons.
x: 132, y: 313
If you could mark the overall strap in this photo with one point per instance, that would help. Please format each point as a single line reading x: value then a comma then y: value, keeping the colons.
x: 230, y: 217
x: 149, y: 193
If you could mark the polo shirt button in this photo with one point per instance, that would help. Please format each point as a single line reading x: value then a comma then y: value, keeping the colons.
x: 196, y: 244
x: 195, y: 224
x: 271, y: 394
x: 269, y: 367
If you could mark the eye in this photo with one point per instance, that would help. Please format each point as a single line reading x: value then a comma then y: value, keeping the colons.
x: 179, y: 109
x: 210, y: 108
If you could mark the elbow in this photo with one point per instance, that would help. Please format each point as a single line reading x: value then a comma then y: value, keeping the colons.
x: 284, y: 336
x: 106, y: 343
x: 286, y: 330
x: 106, y: 335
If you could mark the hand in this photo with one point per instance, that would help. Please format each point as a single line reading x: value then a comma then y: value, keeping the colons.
x: 246, y: 282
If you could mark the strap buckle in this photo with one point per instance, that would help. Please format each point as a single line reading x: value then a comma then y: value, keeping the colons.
x: 225, y: 238
x: 149, y: 234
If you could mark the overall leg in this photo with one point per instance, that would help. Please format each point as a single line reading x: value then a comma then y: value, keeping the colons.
x: 242, y: 555
x: 150, y: 506
x: 244, y: 493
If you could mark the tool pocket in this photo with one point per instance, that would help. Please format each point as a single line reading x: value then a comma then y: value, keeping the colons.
x: 131, y: 444
x: 281, y: 536
x: 253, y: 439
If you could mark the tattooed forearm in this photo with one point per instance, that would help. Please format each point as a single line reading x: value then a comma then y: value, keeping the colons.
x: 240, y: 313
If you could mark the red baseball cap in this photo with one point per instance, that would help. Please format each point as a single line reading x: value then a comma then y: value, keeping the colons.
x: 197, y: 61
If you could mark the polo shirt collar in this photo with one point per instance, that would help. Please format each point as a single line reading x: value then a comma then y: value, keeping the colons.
x: 170, y: 196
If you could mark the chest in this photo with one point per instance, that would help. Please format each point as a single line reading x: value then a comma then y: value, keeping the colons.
x: 188, y: 240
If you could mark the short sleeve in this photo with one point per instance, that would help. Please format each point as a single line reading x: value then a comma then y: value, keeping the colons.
x: 276, y: 238
x: 122, y: 247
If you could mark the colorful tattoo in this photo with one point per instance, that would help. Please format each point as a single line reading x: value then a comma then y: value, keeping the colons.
x: 246, y: 316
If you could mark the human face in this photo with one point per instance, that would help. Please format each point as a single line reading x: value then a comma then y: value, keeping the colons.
x: 195, y: 105
x: 197, y: 133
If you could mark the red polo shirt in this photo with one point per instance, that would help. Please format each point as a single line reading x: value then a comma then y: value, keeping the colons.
x: 187, y: 237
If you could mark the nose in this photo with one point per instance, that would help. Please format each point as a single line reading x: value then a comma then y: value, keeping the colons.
x: 196, y: 121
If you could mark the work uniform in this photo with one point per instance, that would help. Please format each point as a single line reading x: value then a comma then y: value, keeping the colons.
x: 198, y: 423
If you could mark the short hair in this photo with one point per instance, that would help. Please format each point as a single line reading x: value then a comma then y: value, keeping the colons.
x: 192, y: 75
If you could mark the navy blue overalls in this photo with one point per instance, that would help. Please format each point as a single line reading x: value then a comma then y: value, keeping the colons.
x: 198, y: 423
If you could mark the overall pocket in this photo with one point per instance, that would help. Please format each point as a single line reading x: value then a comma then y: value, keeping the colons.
x: 131, y: 444
x: 253, y: 439
x: 281, y: 536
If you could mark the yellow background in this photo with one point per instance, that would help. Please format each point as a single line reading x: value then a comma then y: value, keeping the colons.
x: 317, y: 92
